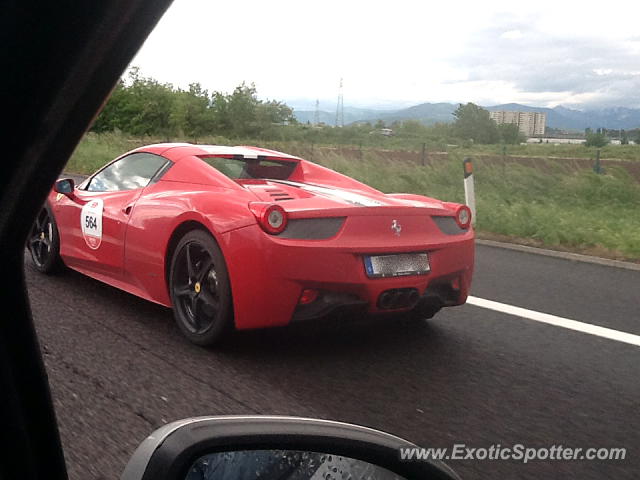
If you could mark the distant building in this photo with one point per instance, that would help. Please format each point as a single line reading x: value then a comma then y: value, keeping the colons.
x: 530, y: 124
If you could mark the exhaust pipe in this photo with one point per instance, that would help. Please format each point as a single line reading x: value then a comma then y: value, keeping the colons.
x: 398, y: 298
x: 384, y: 301
x: 414, y: 296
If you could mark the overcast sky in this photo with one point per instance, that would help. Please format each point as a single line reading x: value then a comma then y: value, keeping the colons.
x: 542, y: 53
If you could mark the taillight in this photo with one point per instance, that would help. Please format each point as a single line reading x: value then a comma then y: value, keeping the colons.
x: 463, y: 217
x: 272, y: 218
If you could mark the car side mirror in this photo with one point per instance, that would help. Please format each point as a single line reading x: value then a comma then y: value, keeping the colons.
x: 64, y: 186
x: 264, y: 447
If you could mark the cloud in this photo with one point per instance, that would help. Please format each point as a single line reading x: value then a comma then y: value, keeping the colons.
x: 512, y: 34
x: 496, y: 51
x: 601, y: 71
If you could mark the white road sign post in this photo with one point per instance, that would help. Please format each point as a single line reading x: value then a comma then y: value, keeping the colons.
x: 469, y: 192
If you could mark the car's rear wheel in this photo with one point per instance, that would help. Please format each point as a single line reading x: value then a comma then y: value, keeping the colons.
x: 200, y: 290
x: 44, y: 242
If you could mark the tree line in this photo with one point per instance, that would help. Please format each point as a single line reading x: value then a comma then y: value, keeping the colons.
x: 143, y: 106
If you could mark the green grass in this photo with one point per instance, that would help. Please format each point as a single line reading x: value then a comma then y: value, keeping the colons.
x: 551, y: 205
x: 619, y: 152
x: 96, y: 150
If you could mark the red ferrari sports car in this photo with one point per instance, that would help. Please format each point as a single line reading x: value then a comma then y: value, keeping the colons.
x: 248, y: 237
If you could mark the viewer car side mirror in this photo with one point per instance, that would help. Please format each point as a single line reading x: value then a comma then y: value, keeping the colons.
x: 264, y: 447
x: 64, y: 186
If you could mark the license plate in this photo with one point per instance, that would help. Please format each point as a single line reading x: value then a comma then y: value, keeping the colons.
x: 397, y: 264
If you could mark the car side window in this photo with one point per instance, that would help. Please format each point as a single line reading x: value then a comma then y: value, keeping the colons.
x: 128, y: 173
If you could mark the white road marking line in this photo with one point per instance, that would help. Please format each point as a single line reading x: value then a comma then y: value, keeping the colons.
x: 557, y: 321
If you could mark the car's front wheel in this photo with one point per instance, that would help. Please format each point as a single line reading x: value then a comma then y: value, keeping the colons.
x: 44, y: 242
x: 200, y: 290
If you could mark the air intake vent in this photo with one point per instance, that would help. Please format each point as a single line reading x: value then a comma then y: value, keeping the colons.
x: 448, y: 225
x: 279, y: 195
x: 312, y: 228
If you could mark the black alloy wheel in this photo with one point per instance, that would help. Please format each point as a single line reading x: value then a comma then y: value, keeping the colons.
x: 200, y: 289
x: 44, y: 242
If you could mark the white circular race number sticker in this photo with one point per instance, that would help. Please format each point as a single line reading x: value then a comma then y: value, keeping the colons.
x: 91, y: 223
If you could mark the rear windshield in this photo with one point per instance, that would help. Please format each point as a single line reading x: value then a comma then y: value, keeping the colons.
x: 252, y: 168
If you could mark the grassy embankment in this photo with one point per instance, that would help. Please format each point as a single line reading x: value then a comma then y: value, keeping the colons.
x: 618, y: 152
x: 549, y: 206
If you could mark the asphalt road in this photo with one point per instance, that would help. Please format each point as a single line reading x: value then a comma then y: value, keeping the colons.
x: 119, y: 368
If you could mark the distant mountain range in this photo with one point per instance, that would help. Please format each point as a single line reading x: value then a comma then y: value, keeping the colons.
x: 351, y: 115
x: 430, y: 113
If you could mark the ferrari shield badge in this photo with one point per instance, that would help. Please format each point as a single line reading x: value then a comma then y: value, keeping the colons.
x: 91, y: 223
